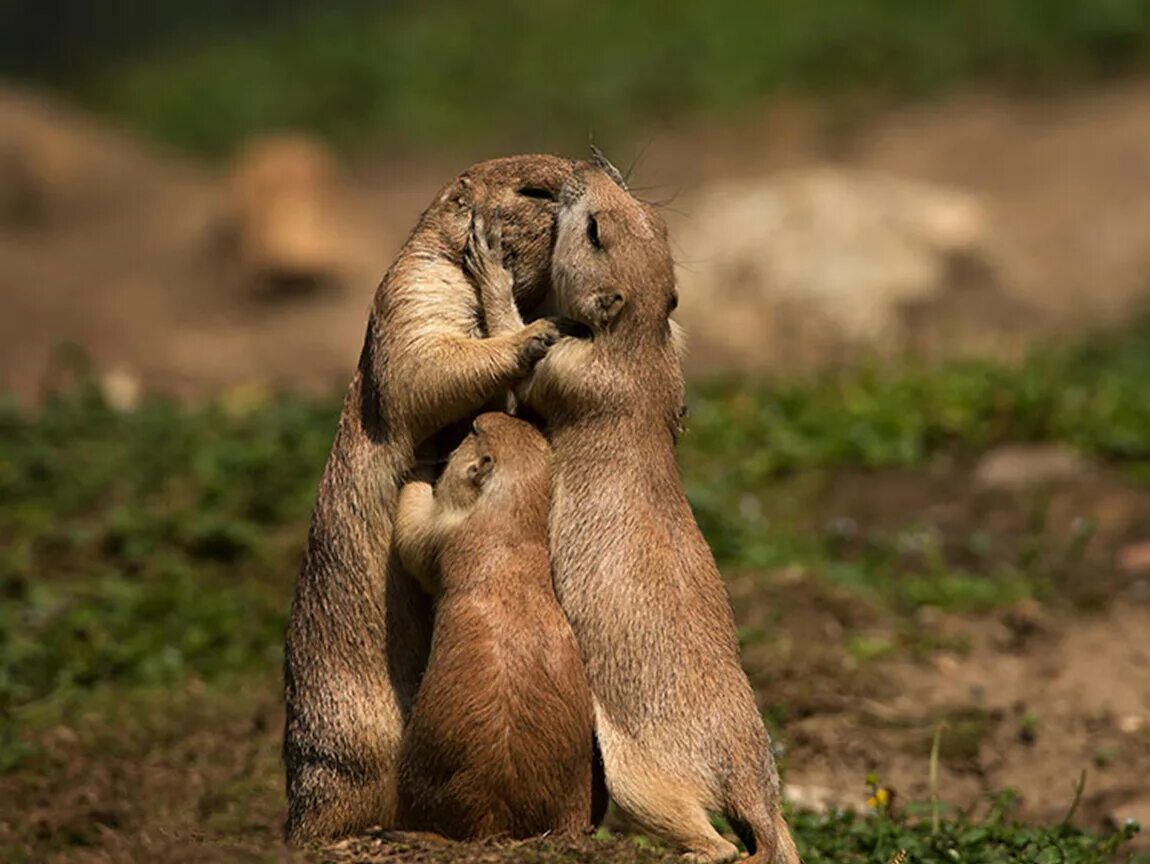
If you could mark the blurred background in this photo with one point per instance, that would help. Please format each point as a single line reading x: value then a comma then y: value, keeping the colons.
x: 914, y: 256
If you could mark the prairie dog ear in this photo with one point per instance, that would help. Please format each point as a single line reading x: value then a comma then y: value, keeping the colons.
x: 479, y: 470
x: 608, y: 305
x: 601, y: 161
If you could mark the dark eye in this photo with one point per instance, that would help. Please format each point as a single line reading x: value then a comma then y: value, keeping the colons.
x: 537, y: 192
x: 593, y: 231
x: 674, y: 304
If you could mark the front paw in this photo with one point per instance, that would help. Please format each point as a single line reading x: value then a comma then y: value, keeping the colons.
x: 414, y: 501
x: 538, y: 337
x: 483, y: 254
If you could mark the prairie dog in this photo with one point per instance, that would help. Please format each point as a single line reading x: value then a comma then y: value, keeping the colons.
x: 676, y: 718
x: 360, y: 627
x: 500, y: 739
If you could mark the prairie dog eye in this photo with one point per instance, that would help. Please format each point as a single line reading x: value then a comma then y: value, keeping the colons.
x: 593, y: 231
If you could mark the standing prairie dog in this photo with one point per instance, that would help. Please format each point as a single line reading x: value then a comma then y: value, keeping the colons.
x: 360, y: 627
x: 500, y: 739
x: 676, y: 719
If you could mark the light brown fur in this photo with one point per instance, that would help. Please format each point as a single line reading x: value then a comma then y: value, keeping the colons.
x: 676, y: 718
x: 500, y: 739
x: 359, y: 630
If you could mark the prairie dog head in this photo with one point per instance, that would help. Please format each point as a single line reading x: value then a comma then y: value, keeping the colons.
x: 523, y: 192
x: 612, y: 269
x: 500, y: 456
x: 500, y: 474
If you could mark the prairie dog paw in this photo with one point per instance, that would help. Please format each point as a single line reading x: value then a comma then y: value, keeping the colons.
x: 483, y: 254
x: 538, y: 337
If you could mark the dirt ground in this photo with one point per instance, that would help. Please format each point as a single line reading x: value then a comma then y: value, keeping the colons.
x: 1028, y: 698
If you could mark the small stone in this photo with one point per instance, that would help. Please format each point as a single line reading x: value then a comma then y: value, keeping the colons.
x: 1135, y: 557
x: 1016, y: 468
x: 122, y: 389
x: 1131, y: 724
x: 945, y: 663
x: 819, y: 799
x: 1022, y: 621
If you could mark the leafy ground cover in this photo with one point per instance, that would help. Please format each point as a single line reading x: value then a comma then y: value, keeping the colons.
x: 147, y: 558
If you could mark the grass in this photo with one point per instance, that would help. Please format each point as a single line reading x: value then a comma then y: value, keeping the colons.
x: 154, y: 551
x: 147, y: 546
x: 420, y: 73
x: 846, y: 839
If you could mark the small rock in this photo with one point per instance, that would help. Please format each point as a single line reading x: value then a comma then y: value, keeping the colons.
x: 945, y: 663
x: 1023, y: 621
x: 284, y: 224
x: 820, y: 799
x: 1131, y: 724
x: 1135, y: 558
x: 1016, y: 468
x: 122, y: 389
x: 802, y: 268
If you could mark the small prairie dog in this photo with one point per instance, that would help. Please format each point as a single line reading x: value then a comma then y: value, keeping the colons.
x: 676, y: 719
x: 500, y: 739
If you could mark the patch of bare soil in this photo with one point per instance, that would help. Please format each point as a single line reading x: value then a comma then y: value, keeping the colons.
x: 1027, y: 697
x: 119, y: 248
x: 1027, y: 703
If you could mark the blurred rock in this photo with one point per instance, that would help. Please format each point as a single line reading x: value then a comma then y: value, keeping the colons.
x: 56, y: 164
x: 284, y: 226
x: 1131, y: 724
x: 122, y: 389
x: 1024, y: 620
x: 1135, y: 558
x: 817, y: 265
x: 1016, y: 468
x: 820, y: 799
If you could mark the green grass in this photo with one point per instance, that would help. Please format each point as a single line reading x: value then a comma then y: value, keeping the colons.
x: 846, y: 839
x: 148, y: 546
x: 155, y: 550
x: 753, y: 452
x: 546, y: 73
x: 160, y: 545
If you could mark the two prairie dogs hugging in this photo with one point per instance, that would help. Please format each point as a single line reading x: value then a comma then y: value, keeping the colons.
x: 578, y: 607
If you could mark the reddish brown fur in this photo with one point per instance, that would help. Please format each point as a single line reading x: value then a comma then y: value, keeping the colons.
x: 676, y: 718
x: 359, y: 631
x: 500, y: 739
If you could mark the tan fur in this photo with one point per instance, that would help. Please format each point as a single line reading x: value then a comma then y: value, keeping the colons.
x: 500, y: 740
x: 359, y: 630
x: 676, y: 718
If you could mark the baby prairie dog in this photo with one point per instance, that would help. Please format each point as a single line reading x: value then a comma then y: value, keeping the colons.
x: 500, y: 738
x: 676, y: 718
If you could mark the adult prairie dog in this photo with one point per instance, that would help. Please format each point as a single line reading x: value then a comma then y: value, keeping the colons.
x: 360, y: 627
x: 676, y: 719
x: 500, y: 739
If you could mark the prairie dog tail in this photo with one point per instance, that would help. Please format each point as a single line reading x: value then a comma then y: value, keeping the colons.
x: 767, y: 837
